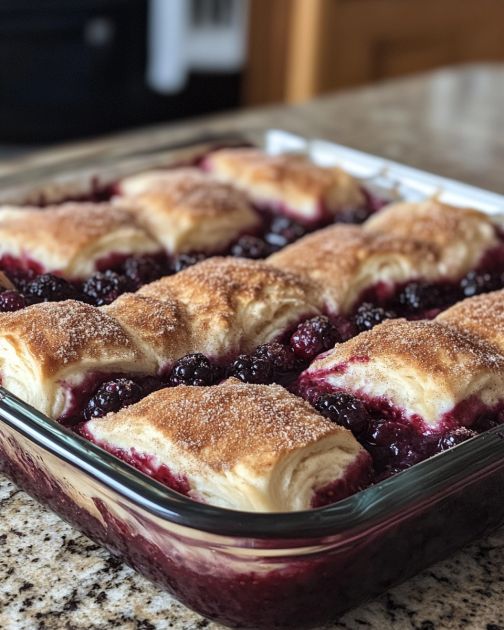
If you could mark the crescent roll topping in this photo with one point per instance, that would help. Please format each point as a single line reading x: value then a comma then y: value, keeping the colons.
x: 289, y: 184
x: 47, y: 350
x: 233, y: 304
x: 186, y: 210
x: 462, y: 236
x: 345, y: 261
x: 409, y: 389
x: 243, y: 447
x: 70, y: 239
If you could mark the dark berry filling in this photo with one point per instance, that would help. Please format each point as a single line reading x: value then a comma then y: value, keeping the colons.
x: 368, y: 316
x: 142, y: 270
x: 285, y: 365
x: 251, y: 369
x: 394, y: 441
x: 146, y: 464
x: 104, y: 287
x: 11, y: 301
x: 282, y: 231
x: 183, y: 261
x: 49, y: 288
x: 253, y: 247
x: 194, y: 369
x: 112, y: 396
x: 314, y: 336
x: 345, y: 410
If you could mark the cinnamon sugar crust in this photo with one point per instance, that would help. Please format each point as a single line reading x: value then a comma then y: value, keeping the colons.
x: 59, y: 334
x: 228, y: 423
x: 188, y: 210
x: 461, y: 235
x: 345, y: 260
x: 481, y: 316
x: 70, y: 237
x: 240, y: 446
x: 158, y: 327
x: 289, y: 178
x: 235, y: 304
x: 433, y: 348
x: 423, y: 368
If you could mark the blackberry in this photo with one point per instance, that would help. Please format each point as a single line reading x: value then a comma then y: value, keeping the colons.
x: 49, y: 288
x: 252, y: 369
x: 282, y: 359
x: 112, y: 396
x: 105, y: 287
x: 368, y: 316
x: 11, y: 301
x: 20, y: 278
x: 283, y: 231
x: 183, y: 261
x: 193, y: 369
x: 345, y: 410
x: 394, y: 446
x: 151, y: 384
x: 476, y: 282
x: 251, y: 247
x: 457, y: 436
x: 140, y: 270
x: 353, y: 216
x: 313, y: 337
x: 421, y: 296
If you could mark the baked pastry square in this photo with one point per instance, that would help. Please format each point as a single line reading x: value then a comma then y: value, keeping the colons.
x: 289, y: 184
x: 422, y: 372
x: 345, y: 261
x: 462, y: 236
x: 52, y: 353
x: 233, y: 304
x: 243, y: 447
x: 187, y: 210
x: 71, y: 239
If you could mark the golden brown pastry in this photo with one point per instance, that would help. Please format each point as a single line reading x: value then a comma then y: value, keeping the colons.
x: 243, y: 447
x: 288, y: 183
x: 346, y: 260
x: 187, y: 210
x: 71, y: 238
x: 159, y: 327
x: 461, y: 235
x: 482, y: 316
x: 421, y: 370
x: 49, y: 350
x: 233, y: 304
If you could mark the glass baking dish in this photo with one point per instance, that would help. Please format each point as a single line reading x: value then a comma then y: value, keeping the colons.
x: 251, y: 570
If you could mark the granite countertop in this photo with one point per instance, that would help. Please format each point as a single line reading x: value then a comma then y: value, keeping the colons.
x: 52, y: 577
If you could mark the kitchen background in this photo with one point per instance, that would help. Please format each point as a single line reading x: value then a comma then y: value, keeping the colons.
x: 75, y: 69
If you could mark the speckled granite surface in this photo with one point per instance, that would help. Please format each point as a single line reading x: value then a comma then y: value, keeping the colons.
x: 53, y: 578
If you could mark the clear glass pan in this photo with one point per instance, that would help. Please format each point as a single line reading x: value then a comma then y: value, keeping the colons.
x: 257, y: 570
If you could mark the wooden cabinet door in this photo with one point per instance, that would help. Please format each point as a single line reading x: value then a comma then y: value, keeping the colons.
x: 300, y: 48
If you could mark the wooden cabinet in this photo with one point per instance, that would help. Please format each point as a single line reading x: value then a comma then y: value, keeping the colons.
x: 300, y: 48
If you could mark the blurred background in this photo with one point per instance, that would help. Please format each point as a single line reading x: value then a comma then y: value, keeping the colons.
x: 76, y: 69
